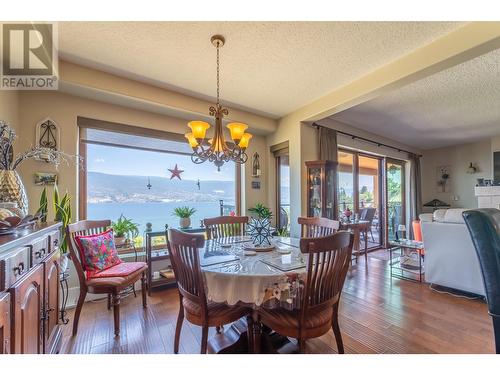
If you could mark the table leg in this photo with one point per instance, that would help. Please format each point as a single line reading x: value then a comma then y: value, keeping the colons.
x: 366, y: 246
x: 250, y: 324
x: 356, y: 242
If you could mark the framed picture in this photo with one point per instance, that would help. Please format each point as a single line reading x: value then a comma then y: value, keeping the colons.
x: 42, y: 178
x: 443, y: 179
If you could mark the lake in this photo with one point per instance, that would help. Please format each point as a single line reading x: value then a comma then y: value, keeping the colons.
x: 156, y: 213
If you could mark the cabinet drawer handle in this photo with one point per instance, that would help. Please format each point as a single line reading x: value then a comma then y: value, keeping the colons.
x: 40, y: 253
x: 19, y: 269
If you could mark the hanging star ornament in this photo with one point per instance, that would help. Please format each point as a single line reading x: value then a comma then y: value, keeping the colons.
x: 149, y: 184
x: 176, y: 172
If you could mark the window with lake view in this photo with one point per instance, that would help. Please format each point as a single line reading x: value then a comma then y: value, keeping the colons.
x: 137, y: 183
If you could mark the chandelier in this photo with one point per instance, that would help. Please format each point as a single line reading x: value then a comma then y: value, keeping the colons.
x: 216, y: 150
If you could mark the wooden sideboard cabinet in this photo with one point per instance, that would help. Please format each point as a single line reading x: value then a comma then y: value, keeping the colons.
x: 29, y: 291
x: 4, y: 323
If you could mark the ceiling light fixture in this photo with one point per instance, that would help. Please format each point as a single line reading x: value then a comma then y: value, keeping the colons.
x: 216, y: 150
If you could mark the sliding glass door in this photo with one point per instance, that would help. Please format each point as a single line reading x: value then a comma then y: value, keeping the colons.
x: 369, y: 196
x: 395, y: 182
x: 360, y: 187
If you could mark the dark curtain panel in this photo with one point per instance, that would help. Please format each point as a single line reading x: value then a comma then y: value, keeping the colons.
x: 327, y: 141
x: 415, y: 189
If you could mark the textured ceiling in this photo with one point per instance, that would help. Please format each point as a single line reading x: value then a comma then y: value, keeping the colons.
x: 268, y: 67
x: 456, y: 106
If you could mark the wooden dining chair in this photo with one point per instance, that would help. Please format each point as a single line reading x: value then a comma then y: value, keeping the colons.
x: 225, y: 226
x: 317, y: 226
x: 329, y: 259
x: 193, y: 304
x: 102, y: 285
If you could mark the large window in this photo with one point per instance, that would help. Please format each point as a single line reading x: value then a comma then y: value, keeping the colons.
x: 129, y: 174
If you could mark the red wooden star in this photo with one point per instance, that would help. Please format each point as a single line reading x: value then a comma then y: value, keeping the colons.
x: 176, y: 172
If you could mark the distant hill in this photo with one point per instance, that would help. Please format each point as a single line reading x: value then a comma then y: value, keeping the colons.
x: 102, y: 187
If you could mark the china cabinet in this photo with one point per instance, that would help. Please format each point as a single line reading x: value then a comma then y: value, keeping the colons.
x: 321, y: 188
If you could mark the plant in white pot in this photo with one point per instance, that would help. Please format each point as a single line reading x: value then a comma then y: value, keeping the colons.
x: 124, y: 230
x: 184, y: 214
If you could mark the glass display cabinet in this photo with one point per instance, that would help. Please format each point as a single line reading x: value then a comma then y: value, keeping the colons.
x: 321, y: 188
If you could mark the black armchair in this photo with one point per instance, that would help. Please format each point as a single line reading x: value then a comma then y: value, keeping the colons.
x: 484, y: 228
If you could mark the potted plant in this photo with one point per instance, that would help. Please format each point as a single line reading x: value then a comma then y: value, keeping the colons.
x: 184, y: 214
x: 62, y: 213
x: 261, y: 211
x: 124, y: 229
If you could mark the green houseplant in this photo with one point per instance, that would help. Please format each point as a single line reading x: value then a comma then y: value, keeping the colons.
x: 124, y: 229
x: 184, y: 214
x: 62, y: 214
x: 261, y: 211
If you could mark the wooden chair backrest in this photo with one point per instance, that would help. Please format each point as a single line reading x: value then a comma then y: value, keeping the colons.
x: 83, y: 228
x: 184, y: 256
x: 329, y: 259
x: 225, y: 226
x: 317, y: 226
x: 367, y: 213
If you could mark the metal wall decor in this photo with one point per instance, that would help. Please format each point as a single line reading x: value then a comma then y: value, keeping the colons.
x: 47, y: 134
x: 216, y: 150
x: 260, y: 231
x: 256, y: 172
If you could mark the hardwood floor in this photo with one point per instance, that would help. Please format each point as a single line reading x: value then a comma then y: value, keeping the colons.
x: 377, y: 315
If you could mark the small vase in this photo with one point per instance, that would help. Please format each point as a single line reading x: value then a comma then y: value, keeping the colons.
x: 12, y: 190
x: 184, y: 222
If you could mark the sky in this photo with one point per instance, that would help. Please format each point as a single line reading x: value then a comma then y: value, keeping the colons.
x: 124, y: 161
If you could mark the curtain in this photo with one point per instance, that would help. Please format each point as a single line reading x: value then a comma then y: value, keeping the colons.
x: 415, y: 189
x: 327, y: 141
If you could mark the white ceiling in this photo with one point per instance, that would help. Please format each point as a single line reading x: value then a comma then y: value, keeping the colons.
x: 267, y: 67
x: 456, y: 106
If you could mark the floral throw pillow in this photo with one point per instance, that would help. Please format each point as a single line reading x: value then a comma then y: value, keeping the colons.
x: 97, y: 252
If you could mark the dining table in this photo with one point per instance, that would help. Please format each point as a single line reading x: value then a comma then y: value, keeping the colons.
x: 238, y: 272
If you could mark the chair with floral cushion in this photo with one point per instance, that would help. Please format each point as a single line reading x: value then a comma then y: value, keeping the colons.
x: 99, y: 269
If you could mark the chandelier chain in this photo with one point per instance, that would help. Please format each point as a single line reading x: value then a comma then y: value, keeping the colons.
x: 218, y: 89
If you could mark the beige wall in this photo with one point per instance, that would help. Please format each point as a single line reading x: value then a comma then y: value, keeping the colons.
x: 64, y: 109
x: 461, y: 183
x: 9, y: 111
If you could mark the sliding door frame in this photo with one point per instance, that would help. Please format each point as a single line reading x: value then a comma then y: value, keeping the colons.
x: 381, y: 195
x: 402, y: 164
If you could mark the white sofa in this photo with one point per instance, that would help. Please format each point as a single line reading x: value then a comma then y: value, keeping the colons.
x: 450, y: 257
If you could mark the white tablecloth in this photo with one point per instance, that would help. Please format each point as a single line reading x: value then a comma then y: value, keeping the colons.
x: 247, y: 278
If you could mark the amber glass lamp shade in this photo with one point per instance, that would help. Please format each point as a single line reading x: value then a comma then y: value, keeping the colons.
x: 245, y: 140
x: 191, y: 139
x: 237, y: 129
x: 199, y: 128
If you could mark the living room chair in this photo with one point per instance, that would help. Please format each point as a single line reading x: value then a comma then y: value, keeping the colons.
x: 112, y: 285
x: 484, y: 228
x: 193, y: 304
x: 225, y: 226
x: 329, y: 259
x: 317, y: 226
